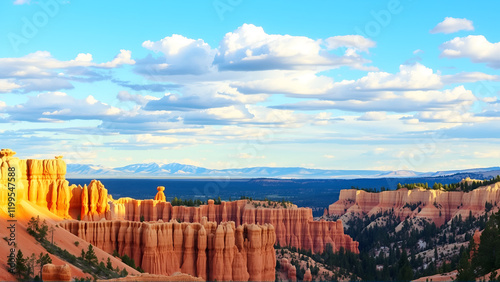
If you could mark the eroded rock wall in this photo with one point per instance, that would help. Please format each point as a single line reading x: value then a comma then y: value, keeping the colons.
x: 294, y: 226
x: 439, y: 206
x: 209, y: 250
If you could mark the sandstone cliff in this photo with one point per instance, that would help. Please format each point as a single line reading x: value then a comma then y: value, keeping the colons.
x: 294, y: 226
x: 208, y: 250
x: 437, y: 205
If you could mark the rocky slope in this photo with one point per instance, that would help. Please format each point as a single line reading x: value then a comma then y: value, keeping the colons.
x: 436, y: 205
x: 209, y: 250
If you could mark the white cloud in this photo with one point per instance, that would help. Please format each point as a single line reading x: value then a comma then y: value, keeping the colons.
x: 142, y: 100
x: 450, y: 116
x: 124, y: 58
x: 7, y: 85
x: 404, y: 101
x: 181, y: 55
x: 373, y: 116
x: 352, y: 41
x: 250, y: 48
x: 39, y: 71
x: 59, y: 106
x: 451, y: 25
x: 373, y: 85
x: 329, y: 156
x: 416, y: 76
x: 467, y: 77
x: 475, y: 47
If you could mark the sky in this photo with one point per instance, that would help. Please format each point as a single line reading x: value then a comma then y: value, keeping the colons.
x: 385, y: 85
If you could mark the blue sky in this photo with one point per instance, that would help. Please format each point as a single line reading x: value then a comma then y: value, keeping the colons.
x: 225, y: 84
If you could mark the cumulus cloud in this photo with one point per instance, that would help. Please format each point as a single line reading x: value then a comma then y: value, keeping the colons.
x: 125, y: 96
x: 410, y: 77
x: 180, y: 55
x: 475, y: 47
x: 203, y: 96
x: 401, y: 102
x: 39, y: 71
x: 250, y: 48
x: 308, y: 84
x: 59, y: 106
x: 451, y: 25
x: 7, y: 85
x: 467, y: 77
x: 124, y: 58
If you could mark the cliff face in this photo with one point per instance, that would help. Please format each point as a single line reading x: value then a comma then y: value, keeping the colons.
x: 439, y: 206
x: 39, y: 181
x: 206, y: 249
x: 294, y: 226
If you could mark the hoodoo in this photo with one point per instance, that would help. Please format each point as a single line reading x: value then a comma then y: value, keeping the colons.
x: 219, y: 252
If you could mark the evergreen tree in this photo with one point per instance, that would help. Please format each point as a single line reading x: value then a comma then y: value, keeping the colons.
x: 43, y: 260
x: 90, y: 255
x: 465, y: 272
x: 405, y: 273
x: 109, y: 265
x: 20, y: 264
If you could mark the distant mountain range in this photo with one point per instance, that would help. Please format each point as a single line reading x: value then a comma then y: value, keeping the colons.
x: 176, y: 170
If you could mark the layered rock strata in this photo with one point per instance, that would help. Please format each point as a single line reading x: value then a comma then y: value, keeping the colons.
x: 208, y: 250
x: 294, y: 226
x: 436, y: 205
x: 51, y: 272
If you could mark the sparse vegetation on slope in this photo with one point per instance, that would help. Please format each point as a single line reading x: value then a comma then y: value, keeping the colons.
x: 87, y: 261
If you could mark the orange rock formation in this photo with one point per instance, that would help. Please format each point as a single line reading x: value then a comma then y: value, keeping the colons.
x: 294, y: 226
x: 308, y: 275
x: 289, y: 269
x: 52, y: 272
x: 208, y: 250
x: 437, y: 205
x: 160, y: 196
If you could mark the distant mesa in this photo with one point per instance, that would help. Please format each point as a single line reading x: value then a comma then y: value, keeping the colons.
x: 436, y: 205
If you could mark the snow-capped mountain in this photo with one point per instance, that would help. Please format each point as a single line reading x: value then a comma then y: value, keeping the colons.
x: 159, y: 170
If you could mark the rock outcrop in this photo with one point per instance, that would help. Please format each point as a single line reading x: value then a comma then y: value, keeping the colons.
x: 208, y: 250
x: 436, y: 205
x: 52, y: 272
x: 289, y: 269
x: 308, y: 275
x: 294, y: 226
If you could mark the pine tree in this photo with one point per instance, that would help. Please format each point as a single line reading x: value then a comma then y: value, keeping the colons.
x: 20, y: 264
x: 465, y: 272
x: 109, y: 265
x: 43, y: 260
x: 90, y: 255
x: 405, y: 272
